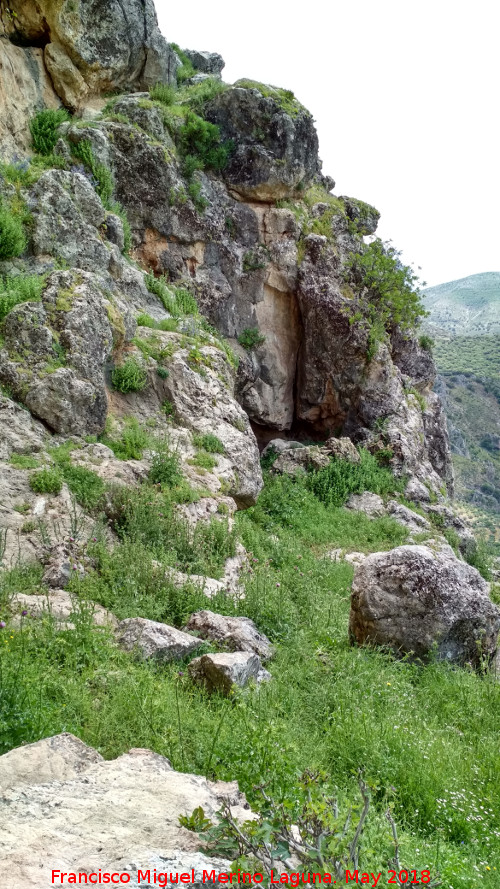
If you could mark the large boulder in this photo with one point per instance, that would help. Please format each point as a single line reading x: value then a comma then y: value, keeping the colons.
x: 91, y: 47
x: 275, y: 141
x: 224, y: 673
x: 63, y: 806
x: 423, y: 604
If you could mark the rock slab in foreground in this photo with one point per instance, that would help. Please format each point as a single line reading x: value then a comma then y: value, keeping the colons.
x: 238, y: 633
x: 62, y: 806
x: 225, y: 672
x: 155, y: 640
x: 414, y: 600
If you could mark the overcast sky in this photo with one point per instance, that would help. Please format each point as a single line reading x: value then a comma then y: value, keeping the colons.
x: 405, y: 95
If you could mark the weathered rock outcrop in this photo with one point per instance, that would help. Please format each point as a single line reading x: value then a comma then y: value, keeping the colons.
x: 424, y: 603
x: 225, y: 672
x: 25, y: 88
x: 44, y: 788
x: 275, y: 144
x: 90, y: 47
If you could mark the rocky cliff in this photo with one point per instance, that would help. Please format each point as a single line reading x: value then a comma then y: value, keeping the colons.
x: 211, y: 369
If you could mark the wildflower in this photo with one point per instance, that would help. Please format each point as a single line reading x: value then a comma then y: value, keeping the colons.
x: 278, y: 584
x: 24, y: 613
x: 2, y: 624
x: 94, y: 539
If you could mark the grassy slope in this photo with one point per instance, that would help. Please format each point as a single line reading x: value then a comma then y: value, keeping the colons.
x: 467, y: 307
x: 427, y: 738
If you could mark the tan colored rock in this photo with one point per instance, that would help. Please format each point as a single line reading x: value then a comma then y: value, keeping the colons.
x: 25, y: 88
x: 68, y: 82
x: 62, y: 806
x: 60, y: 758
x: 62, y: 607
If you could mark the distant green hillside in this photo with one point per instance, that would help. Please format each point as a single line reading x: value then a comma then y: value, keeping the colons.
x: 469, y: 306
x: 465, y: 324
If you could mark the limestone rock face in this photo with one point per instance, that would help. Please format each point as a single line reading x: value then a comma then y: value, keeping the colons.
x: 91, y: 47
x: 71, y: 326
x: 45, y: 787
x: 416, y: 601
x: 25, y: 88
x: 237, y: 633
x: 155, y: 640
x: 224, y: 672
x: 275, y: 152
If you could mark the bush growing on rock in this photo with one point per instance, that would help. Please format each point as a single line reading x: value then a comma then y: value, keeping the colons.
x: 44, y: 127
x: 392, y: 293
x: 334, y: 484
x: 129, y: 377
x: 209, y: 442
x: 250, y: 338
x: 46, y: 481
x: 12, y: 237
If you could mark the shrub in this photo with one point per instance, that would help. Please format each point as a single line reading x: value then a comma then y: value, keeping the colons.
x: 163, y: 93
x: 165, y: 466
x: 426, y: 342
x: 391, y: 294
x: 46, y: 481
x: 335, y: 483
x: 201, y: 146
x: 12, y: 237
x: 209, y: 443
x: 43, y: 129
x: 23, y: 288
x: 250, y: 338
x: 129, y: 377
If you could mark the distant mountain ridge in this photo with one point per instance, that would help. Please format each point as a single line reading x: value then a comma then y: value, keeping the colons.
x: 467, y: 307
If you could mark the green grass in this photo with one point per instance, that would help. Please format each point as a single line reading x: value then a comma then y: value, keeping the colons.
x: 12, y: 236
x: 131, y: 443
x: 334, y: 484
x: 102, y: 175
x: 178, y: 301
x: 209, y: 442
x: 23, y: 288
x: 426, y: 737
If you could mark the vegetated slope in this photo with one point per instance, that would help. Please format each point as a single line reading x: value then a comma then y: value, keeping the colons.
x: 468, y: 307
x: 464, y: 319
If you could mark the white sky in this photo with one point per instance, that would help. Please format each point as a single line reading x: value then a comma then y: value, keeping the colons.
x: 405, y: 95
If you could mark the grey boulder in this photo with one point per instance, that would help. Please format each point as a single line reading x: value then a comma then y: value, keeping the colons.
x: 237, y: 633
x: 226, y: 672
x: 417, y: 602
x: 155, y: 640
